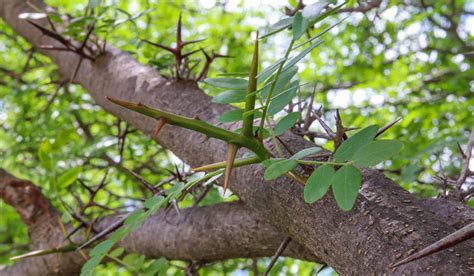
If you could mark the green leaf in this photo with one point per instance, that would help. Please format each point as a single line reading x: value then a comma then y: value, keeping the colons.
x: 267, y: 72
x: 231, y: 116
x: 45, y: 159
x: 313, y: 11
x: 230, y: 83
x: 279, y: 168
x: 281, y: 100
x: 152, y: 201
x: 278, y: 27
x: 301, y: 55
x: 68, y: 177
x: 135, y: 216
x: 318, y: 35
x: 299, y: 25
x: 117, y: 252
x: 283, y: 80
x: 157, y: 266
x: 349, y: 147
x: 318, y: 183
x: 270, y: 161
x: 229, y: 96
x: 305, y: 152
x: 177, y: 188
x: 345, y: 186
x: 233, y: 74
x: 376, y: 151
x: 102, y: 248
x: 120, y: 233
x: 90, y: 265
x: 286, y: 123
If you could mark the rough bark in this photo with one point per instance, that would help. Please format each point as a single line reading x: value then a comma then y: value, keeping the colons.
x: 386, y: 225
x: 211, y: 233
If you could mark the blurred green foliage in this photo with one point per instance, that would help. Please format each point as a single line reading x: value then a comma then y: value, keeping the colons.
x: 397, y: 60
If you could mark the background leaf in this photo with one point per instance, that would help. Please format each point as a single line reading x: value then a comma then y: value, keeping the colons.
x: 68, y: 177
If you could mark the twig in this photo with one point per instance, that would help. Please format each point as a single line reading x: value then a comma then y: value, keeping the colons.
x: 278, y: 253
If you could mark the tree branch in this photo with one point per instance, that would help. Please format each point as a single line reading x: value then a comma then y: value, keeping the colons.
x: 386, y: 223
x: 205, y: 234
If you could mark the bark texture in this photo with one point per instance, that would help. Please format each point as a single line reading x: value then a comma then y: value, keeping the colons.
x: 386, y: 225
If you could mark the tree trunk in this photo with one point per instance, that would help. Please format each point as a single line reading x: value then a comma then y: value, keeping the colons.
x: 386, y: 225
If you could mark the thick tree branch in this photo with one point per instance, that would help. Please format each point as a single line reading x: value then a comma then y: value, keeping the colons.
x: 44, y: 228
x: 386, y: 225
x: 210, y: 233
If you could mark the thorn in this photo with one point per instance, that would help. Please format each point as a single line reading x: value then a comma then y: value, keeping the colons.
x: 179, y: 40
x: 159, y: 125
x: 452, y: 239
x: 196, y: 117
x: 231, y: 153
x: 204, y: 139
x: 178, y: 174
x: 193, y: 41
x: 461, y: 151
x: 166, y: 48
x: 386, y: 127
x: 190, y: 53
x: 114, y: 226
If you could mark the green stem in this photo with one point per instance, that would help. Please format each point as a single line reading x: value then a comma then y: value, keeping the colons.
x: 199, y: 126
x: 312, y: 162
x: 269, y: 96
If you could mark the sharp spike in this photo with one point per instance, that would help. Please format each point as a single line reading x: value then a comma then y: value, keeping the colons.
x: 192, y: 41
x: 452, y: 239
x: 179, y: 40
x: 231, y: 153
x: 159, y: 125
x: 386, y: 127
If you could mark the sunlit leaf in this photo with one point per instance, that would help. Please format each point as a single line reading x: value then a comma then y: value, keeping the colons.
x: 68, y: 177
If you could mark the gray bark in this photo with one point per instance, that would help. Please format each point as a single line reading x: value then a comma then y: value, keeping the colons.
x: 386, y: 225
